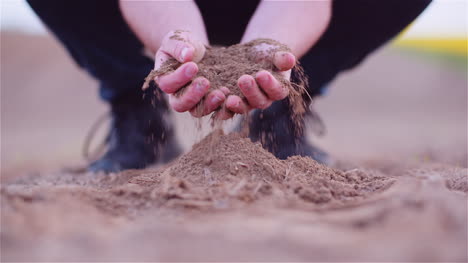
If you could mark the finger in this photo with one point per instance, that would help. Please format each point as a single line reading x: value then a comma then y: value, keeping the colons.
x: 271, y: 86
x: 225, y: 90
x: 160, y: 58
x: 173, y: 81
x: 252, y: 93
x: 191, y: 96
x: 284, y: 60
x: 236, y: 104
x: 181, y: 46
x: 178, y: 49
x: 212, y: 101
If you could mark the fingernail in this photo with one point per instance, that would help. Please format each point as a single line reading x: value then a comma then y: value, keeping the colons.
x: 183, y: 53
x: 190, y: 71
x: 200, y: 87
x: 225, y: 90
x: 246, y: 83
x: 216, y: 100
x: 281, y: 53
x: 263, y: 78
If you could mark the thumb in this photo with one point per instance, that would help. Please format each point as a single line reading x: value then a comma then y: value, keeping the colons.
x: 284, y: 61
x: 182, y: 46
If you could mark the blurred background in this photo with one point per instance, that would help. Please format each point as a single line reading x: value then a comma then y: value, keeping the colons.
x: 405, y: 103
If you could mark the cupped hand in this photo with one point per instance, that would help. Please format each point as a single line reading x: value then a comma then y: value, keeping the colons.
x: 262, y: 89
x: 185, y: 48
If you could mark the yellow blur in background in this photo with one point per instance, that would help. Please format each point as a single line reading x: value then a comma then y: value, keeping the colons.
x: 452, y: 46
x: 441, y: 29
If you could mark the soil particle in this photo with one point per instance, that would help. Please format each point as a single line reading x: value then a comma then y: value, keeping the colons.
x: 177, y: 36
x: 458, y: 182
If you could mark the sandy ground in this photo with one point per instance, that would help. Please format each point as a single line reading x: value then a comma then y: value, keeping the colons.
x: 398, y: 122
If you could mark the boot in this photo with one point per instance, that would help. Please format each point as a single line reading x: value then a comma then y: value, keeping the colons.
x: 281, y: 135
x: 140, y: 134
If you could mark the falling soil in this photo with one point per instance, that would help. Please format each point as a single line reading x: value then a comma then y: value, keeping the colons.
x: 223, y: 66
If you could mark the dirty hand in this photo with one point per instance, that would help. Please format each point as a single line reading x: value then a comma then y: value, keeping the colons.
x: 185, y: 48
x: 262, y: 89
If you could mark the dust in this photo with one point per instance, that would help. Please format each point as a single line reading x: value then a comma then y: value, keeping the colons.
x: 176, y: 35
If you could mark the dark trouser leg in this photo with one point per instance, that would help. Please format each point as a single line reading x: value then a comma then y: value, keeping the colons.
x: 357, y: 28
x: 99, y: 40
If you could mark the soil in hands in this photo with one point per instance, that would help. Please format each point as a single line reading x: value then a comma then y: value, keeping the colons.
x: 223, y: 66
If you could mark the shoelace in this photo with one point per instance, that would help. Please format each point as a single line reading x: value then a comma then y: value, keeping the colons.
x: 91, y: 156
x: 88, y: 156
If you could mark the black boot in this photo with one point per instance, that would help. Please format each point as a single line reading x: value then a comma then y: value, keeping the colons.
x: 140, y: 134
x: 281, y: 135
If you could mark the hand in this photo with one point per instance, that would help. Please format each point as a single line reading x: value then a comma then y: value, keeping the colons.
x: 262, y: 89
x: 186, y: 49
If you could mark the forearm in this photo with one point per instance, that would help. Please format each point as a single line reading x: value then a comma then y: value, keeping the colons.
x: 299, y: 25
x: 152, y: 20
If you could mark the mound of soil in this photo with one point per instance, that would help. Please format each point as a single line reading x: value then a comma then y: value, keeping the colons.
x: 220, y: 172
x: 229, y: 199
x: 228, y: 170
x: 223, y: 66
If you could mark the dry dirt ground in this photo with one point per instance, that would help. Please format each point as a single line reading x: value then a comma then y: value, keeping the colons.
x: 397, y: 126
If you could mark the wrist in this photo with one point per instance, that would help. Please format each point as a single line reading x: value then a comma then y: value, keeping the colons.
x: 300, y: 27
x: 152, y: 20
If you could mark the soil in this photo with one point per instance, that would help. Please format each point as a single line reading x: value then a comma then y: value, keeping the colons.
x: 209, y: 193
x: 229, y: 168
x: 223, y: 66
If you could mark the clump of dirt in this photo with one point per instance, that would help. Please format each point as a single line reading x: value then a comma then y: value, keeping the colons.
x: 223, y: 66
x: 458, y: 182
